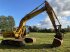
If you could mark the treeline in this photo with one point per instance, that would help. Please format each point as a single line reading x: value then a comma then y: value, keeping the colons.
x: 44, y: 30
x: 7, y: 23
x: 37, y: 29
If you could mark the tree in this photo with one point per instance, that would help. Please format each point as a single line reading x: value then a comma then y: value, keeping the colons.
x: 30, y: 28
x: 3, y: 22
x: 68, y: 28
x: 11, y: 22
x: 33, y: 29
x: 7, y: 23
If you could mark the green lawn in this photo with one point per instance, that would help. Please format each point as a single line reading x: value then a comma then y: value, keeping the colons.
x: 43, y: 42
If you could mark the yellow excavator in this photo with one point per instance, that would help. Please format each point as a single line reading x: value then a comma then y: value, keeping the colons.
x: 20, y: 34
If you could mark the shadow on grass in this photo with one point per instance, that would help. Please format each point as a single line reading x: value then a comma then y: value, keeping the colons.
x: 35, y: 46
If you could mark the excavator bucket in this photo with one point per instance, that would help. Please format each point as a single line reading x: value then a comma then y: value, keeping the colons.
x: 58, y: 38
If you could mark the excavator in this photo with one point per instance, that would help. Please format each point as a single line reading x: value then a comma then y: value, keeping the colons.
x: 19, y: 35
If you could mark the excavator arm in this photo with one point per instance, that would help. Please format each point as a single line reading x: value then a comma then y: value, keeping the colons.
x: 46, y: 8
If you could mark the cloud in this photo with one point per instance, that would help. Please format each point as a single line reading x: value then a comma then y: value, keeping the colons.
x: 45, y: 23
x: 61, y: 7
x: 64, y: 21
x: 65, y: 13
x: 62, y: 10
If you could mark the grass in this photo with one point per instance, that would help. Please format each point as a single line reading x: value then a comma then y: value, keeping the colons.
x: 43, y: 42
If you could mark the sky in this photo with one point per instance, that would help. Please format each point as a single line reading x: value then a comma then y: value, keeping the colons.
x: 19, y: 8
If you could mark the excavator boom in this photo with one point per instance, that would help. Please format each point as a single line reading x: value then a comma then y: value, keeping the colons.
x: 46, y: 8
